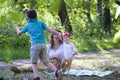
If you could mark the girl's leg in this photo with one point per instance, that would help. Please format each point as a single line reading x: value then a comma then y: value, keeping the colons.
x: 63, y: 64
x: 69, y: 63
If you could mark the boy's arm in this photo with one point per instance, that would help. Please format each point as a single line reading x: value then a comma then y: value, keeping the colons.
x: 55, y: 32
x: 17, y: 29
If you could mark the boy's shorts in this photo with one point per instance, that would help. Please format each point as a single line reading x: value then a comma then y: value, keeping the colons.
x: 38, y: 51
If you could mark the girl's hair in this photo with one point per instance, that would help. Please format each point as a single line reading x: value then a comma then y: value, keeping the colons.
x: 52, y: 41
x: 31, y: 13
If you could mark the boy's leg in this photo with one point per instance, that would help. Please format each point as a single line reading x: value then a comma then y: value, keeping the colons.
x: 34, y: 58
x: 44, y: 58
x: 35, y: 69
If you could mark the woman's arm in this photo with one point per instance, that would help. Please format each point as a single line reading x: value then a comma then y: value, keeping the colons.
x: 55, y: 56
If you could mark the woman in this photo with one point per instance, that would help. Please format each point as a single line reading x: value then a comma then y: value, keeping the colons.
x: 55, y: 48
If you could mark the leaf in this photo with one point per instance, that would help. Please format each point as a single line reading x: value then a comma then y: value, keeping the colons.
x: 55, y: 6
x: 116, y: 38
x: 2, y: 1
x: 118, y: 27
x: 117, y: 12
x: 3, y: 19
x: 15, y: 16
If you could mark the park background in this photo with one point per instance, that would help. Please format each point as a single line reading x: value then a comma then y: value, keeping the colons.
x: 94, y: 26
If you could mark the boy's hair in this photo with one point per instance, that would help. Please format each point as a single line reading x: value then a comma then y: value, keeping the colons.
x: 31, y: 13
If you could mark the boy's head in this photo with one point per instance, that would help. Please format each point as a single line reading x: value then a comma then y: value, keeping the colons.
x: 31, y: 13
x: 66, y: 37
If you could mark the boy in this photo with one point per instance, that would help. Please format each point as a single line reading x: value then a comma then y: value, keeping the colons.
x: 69, y: 51
x: 38, y: 49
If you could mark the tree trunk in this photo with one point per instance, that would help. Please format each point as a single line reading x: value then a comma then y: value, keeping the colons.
x: 99, y: 11
x: 107, y: 20
x: 87, y: 4
x: 118, y: 2
x: 64, y: 17
x: 32, y: 3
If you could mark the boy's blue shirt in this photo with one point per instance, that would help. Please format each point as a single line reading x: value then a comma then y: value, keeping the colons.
x: 35, y: 29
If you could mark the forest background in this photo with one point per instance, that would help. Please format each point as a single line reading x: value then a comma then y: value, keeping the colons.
x: 93, y: 24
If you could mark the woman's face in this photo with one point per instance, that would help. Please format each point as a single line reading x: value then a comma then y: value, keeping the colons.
x: 55, y: 38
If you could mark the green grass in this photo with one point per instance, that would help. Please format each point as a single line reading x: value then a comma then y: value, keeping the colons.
x: 11, y: 54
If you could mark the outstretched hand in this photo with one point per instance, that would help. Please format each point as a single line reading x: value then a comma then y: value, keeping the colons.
x: 15, y: 26
x: 17, y: 29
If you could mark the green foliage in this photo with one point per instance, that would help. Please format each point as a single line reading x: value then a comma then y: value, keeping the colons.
x: 15, y: 16
x: 3, y: 19
x: 116, y: 38
x: 9, y: 37
x: 8, y: 53
x: 55, y: 6
x: 93, y: 44
x: 87, y: 36
x: 2, y: 1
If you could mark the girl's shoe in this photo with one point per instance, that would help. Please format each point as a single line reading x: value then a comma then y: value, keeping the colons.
x: 58, y: 75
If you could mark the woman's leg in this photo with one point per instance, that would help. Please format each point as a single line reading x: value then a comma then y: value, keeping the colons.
x: 53, y: 68
x: 50, y: 65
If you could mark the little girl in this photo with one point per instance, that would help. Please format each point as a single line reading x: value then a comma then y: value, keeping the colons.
x: 69, y: 51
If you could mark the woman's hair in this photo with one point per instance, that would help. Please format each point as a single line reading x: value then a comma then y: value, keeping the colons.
x: 52, y: 41
x: 31, y: 13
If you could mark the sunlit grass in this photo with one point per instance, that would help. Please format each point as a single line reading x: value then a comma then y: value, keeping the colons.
x: 104, y: 61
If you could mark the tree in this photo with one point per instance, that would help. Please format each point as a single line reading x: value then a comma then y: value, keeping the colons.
x: 99, y: 11
x: 106, y: 17
x: 64, y: 17
x: 86, y: 5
